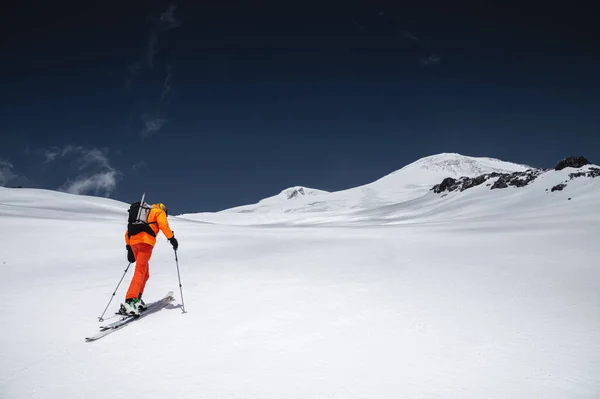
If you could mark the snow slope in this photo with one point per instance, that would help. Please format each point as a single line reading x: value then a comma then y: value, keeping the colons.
x: 407, y: 183
x: 405, y: 196
x: 488, y: 294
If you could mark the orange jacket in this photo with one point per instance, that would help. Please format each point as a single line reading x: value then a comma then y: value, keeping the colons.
x: 157, y: 218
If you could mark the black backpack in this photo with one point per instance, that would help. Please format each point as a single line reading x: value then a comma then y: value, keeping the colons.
x: 138, y: 219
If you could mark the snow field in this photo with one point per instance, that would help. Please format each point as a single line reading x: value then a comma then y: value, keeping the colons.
x: 412, y: 311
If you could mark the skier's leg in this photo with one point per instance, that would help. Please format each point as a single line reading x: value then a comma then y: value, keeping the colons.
x: 147, y: 276
x: 142, y: 254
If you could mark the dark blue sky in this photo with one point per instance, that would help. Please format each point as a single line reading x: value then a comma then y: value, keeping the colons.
x: 209, y: 107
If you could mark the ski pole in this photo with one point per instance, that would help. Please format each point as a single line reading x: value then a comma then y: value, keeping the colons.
x: 179, y: 277
x: 100, y: 319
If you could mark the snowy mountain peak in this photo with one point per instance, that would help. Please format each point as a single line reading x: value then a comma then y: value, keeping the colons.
x: 418, y: 191
x: 299, y: 191
x: 457, y: 165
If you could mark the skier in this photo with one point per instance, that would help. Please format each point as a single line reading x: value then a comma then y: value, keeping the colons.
x: 139, y: 245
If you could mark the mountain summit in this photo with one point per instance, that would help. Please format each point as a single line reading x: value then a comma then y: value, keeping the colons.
x: 409, y: 186
x: 457, y: 165
x: 296, y: 193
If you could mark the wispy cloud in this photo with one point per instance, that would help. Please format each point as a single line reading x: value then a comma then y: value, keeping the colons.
x: 51, y: 154
x: 88, y: 158
x: 153, y: 118
x: 167, y: 21
x: 101, y: 183
x: 168, y: 18
x: 8, y: 175
x: 95, y: 174
x: 166, y: 83
x: 152, y: 125
x: 6, y: 172
x: 425, y: 53
x: 138, y: 166
x: 432, y: 59
x: 411, y: 36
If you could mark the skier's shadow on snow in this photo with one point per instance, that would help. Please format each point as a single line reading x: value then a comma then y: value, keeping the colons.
x: 171, y: 306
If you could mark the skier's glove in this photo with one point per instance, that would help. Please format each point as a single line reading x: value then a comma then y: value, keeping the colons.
x: 130, y: 256
x: 174, y: 243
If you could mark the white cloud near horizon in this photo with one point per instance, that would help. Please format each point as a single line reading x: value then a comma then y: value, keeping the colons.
x: 95, y: 174
x: 6, y: 172
x: 101, y: 183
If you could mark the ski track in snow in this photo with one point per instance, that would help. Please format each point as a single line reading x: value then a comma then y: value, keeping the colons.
x: 477, y: 295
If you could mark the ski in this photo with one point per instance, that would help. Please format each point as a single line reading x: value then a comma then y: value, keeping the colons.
x: 150, y: 308
x: 126, y: 320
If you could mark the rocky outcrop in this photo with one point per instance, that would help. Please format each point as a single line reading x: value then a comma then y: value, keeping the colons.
x: 593, y: 172
x: 515, y: 179
x: 295, y: 193
x: 571, y: 162
x: 448, y: 184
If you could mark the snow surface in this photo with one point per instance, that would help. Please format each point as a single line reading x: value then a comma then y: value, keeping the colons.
x: 479, y: 294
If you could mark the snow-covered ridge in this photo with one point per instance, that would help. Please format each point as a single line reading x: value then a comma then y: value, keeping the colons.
x: 49, y: 204
x: 296, y: 192
x: 435, y: 188
x: 412, y: 193
x: 500, y: 180
x: 405, y: 184
x: 453, y: 164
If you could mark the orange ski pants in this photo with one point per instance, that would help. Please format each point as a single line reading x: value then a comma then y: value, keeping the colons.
x: 142, y: 253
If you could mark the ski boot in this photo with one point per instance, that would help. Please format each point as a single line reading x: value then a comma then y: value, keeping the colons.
x: 131, y: 307
x: 142, y: 305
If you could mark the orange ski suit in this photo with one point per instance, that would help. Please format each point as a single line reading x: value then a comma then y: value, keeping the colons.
x: 142, y: 245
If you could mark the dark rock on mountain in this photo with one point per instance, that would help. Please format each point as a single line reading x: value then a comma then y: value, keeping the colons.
x: 448, y: 184
x: 571, y: 162
x: 500, y: 183
x: 295, y: 193
x: 593, y: 172
x: 476, y: 181
x: 516, y: 179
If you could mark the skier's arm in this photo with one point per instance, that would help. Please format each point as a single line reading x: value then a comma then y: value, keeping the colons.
x: 126, y: 238
x: 163, y: 225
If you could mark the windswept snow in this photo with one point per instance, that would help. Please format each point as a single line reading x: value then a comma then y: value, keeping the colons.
x: 479, y: 294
